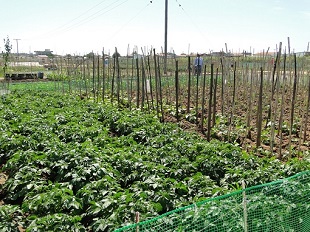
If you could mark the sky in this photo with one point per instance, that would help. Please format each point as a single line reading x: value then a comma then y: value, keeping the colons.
x: 79, y: 26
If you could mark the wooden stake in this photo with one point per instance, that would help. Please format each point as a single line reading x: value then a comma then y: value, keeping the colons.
x: 177, y: 89
x: 103, y: 75
x: 249, y: 110
x: 189, y: 84
x: 214, y: 98
x: 210, y: 105
x: 150, y: 79
x: 94, y: 84
x: 259, y: 110
x: 203, y: 100
x: 223, y: 83
x: 138, y: 83
x: 233, y: 103
x: 307, y: 113
x: 293, y: 105
x: 282, y: 107
x: 156, y: 84
x: 160, y: 92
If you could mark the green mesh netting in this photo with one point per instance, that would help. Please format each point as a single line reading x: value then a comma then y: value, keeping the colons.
x: 282, y: 205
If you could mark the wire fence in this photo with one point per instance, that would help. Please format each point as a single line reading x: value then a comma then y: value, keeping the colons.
x: 283, y: 205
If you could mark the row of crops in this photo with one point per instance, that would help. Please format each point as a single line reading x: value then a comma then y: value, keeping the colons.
x: 71, y: 164
x: 261, y: 102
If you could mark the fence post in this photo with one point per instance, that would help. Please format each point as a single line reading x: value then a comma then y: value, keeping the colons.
x: 137, y: 220
x: 245, y: 214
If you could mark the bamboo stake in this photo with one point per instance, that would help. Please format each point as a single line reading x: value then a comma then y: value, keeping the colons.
x: 222, y: 92
x: 98, y: 77
x: 233, y: 103
x: 94, y: 84
x: 80, y: 79
x: 146, y: 89
x: 249, y: 110
x: 203, y: 100
x: 275, y: 108
x: 84, y: 77
x: 143, y: 85
x: 215, y: 98
x: 160, y: 92
x: 210, y: 105
x: 127, y: 73
x: 138, y: 83
x: 274, y: 81
x: 113, y: 78
x: 189, y: 83
x: 103, y: 75
x: 307, y: 112
x: 300, y: 136
x: 156, y: 84
x: 118, y: 77
x: 293, y: 105
x: 259, y: 110
x: 197, y: 93
x: 150, y: 79
x: 131, y: 82
x: 177, y: 89
x: 282, y: 108
x: 144, y: 82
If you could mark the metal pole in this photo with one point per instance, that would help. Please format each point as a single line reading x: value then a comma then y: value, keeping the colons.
x: 166, y: 35
x: 17, y: 50
x: 17, y: 46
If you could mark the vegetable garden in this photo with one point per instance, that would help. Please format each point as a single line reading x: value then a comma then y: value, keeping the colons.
x: 97, y: 143
x: 76, y: 165
x: 260, y: 102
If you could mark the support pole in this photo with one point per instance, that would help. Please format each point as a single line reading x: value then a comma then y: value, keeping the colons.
x: 166, y: 35
x: 245, y: 214
x: 17, y: 48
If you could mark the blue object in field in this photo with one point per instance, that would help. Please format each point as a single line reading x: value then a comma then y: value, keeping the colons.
x: 40, y: 75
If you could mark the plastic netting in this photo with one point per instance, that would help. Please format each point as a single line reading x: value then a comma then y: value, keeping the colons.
x: 282, y: 205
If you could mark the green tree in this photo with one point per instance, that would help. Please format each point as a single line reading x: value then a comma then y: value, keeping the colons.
x: 6, y: 54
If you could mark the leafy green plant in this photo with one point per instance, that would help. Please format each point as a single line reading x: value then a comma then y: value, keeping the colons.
x: 24, y: 181
x: 10, y: 218
x: 56, y: 222
x: 56, y: 199
x: 100, y: 164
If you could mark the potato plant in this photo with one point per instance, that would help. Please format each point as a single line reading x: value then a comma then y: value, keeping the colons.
x: 78, y: 165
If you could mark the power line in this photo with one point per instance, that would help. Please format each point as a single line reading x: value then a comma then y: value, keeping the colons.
x: 192, y: 21
x: 94, y: 16
x: 136, y: 15
x: 179, y: 4
x: 79, y: 16
x: 63, y: 29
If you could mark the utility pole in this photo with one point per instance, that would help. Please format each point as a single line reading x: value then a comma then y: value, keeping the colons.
x: 17, y: 48
x: 166, y: 35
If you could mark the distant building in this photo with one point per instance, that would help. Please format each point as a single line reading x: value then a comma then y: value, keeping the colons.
x: 46, y: 52
x: 221, y: 53
x: 43, y: 59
